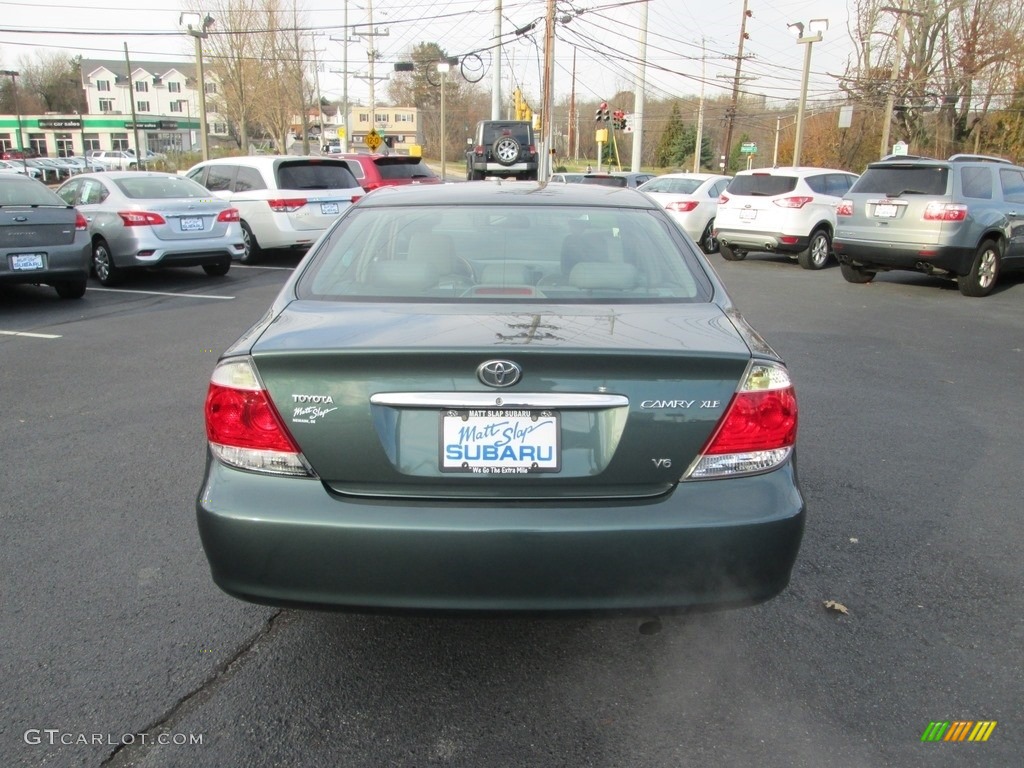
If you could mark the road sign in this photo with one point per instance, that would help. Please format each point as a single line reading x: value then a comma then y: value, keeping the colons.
x: 373, y: 140
x: 900, y: 148
x: 748, y: 148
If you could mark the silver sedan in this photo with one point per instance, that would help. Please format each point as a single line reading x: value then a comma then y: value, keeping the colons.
x: 139, y: 219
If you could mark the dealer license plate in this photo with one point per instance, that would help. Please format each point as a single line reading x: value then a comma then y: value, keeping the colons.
x: 23, y: 262
x: 191, y: 224
x: 500, y: 441
x: 329, y: 209
x: 747, y: 214
x: 885, y: 211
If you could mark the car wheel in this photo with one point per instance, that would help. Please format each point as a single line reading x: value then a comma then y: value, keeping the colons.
x: 103, y: 265
x: 984, y: 270
x: 818, y: 250
x: 219, y: 269
x: 707, y: 241
x: 252, y: 246
x: 506, y: 150
x: 852, y: 274
x: 730, y: 254
x: 70, y: 289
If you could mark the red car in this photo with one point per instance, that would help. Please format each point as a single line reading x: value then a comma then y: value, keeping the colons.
x: 372, y: 171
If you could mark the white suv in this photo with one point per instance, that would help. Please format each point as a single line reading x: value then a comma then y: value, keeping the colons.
x: 284, y: 201
x: 114, y: 159
x: 781, y: 210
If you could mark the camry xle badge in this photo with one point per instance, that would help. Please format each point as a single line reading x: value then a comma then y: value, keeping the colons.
x: 499, y: 373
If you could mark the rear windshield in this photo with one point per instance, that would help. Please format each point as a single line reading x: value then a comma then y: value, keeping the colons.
x: 673, y: 186
x: 403, y: 168
x: 314, y: 174
x: 545, y: 254
x: 160, y: 187
x: 896, y: 180
x: 20, y: 190
x: 607, y: 181
x: 518, y: 131
x: 765, y: 184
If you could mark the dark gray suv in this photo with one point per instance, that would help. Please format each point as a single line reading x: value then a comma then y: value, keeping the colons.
x: 961, y: 218
x: 503, y: 148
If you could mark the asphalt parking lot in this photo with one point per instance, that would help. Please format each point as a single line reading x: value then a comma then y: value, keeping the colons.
x: 119, y: 650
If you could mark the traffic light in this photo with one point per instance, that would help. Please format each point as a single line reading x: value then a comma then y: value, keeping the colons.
x: 601, y: 113
x: 620, y: 120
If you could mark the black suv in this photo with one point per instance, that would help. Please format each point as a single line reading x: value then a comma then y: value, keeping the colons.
x: 503, y: 148
x: 960, y: 218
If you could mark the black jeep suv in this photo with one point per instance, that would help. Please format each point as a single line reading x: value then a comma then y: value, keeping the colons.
x: 503, y: 148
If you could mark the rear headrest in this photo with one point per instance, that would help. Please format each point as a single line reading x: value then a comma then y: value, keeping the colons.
x: 606, y: 275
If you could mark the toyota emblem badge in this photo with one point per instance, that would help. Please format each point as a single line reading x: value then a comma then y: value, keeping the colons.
x: 499, y: 373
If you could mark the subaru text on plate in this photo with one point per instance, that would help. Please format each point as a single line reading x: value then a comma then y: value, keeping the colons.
x: 502, y: 396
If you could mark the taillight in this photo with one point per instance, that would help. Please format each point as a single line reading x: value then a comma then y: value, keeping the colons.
x: 757, y: 431
x: 797, y: 201
x: 81, y: 223
x: 532, y: 149
x: 681, y: 206
x: 140, y: 218
x: 845, y: 208
x: 356, y: 198
x: 945, y: 212
x: 286, y: 205
x: 229, y: 215
x: 243, y: 427
x: 723, y: 199
x: 478, y: 151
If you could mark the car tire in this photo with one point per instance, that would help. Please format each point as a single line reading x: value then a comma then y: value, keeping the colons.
x: 70, y: 289
x: 859, y: 275
x: 731, y: 254
x: 218, y: 269
x: 984, y: 270
x: 707, y: 241
x: 252, y: 251
x: 818, y: 249
x: 505, y: 150
x: 103, y: 265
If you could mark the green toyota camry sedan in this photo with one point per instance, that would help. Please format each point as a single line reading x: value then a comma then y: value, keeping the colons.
x: 499, y: 397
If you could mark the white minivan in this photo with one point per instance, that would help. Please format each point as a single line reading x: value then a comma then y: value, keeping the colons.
x: 283, y: 201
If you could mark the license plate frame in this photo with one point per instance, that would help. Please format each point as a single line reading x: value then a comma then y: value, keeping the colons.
x: 330, y: 209
x: 496, y: 441
x: 885, y: 210
x: 747, y: 214
x: 191, y: 224
x: 27, y: 262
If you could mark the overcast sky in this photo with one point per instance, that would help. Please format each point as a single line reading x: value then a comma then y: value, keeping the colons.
x: 685, y: 38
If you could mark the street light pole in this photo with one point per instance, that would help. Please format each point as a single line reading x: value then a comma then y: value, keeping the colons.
x: 14, y: 93
x: 201, y: 33
x: 815, y: 26
x: 443, y: 67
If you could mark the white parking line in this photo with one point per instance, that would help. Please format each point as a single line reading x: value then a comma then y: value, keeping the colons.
x: 161, y: 293
x: 30, y: 335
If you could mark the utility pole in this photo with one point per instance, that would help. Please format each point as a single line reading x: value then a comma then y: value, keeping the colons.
x: 496, y: 73
x: 544, y: 167
x: 344, y: 78
x: 372, y: 54
x: 135, y: 122
x: 890, y: 100
x: 731, y: 115
x: 638, y: 94
x: 573, y: 131
x: 700, y: 109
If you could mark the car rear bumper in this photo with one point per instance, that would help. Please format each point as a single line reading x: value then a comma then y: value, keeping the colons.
x: 743, y: 240
x: 71, y: 263
x: 923, y: 257
x: 706, y: 544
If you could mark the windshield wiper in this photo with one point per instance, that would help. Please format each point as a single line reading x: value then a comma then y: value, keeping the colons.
x: 907, y: 192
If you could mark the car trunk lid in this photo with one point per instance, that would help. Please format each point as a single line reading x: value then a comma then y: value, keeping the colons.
x: 616, y: 401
